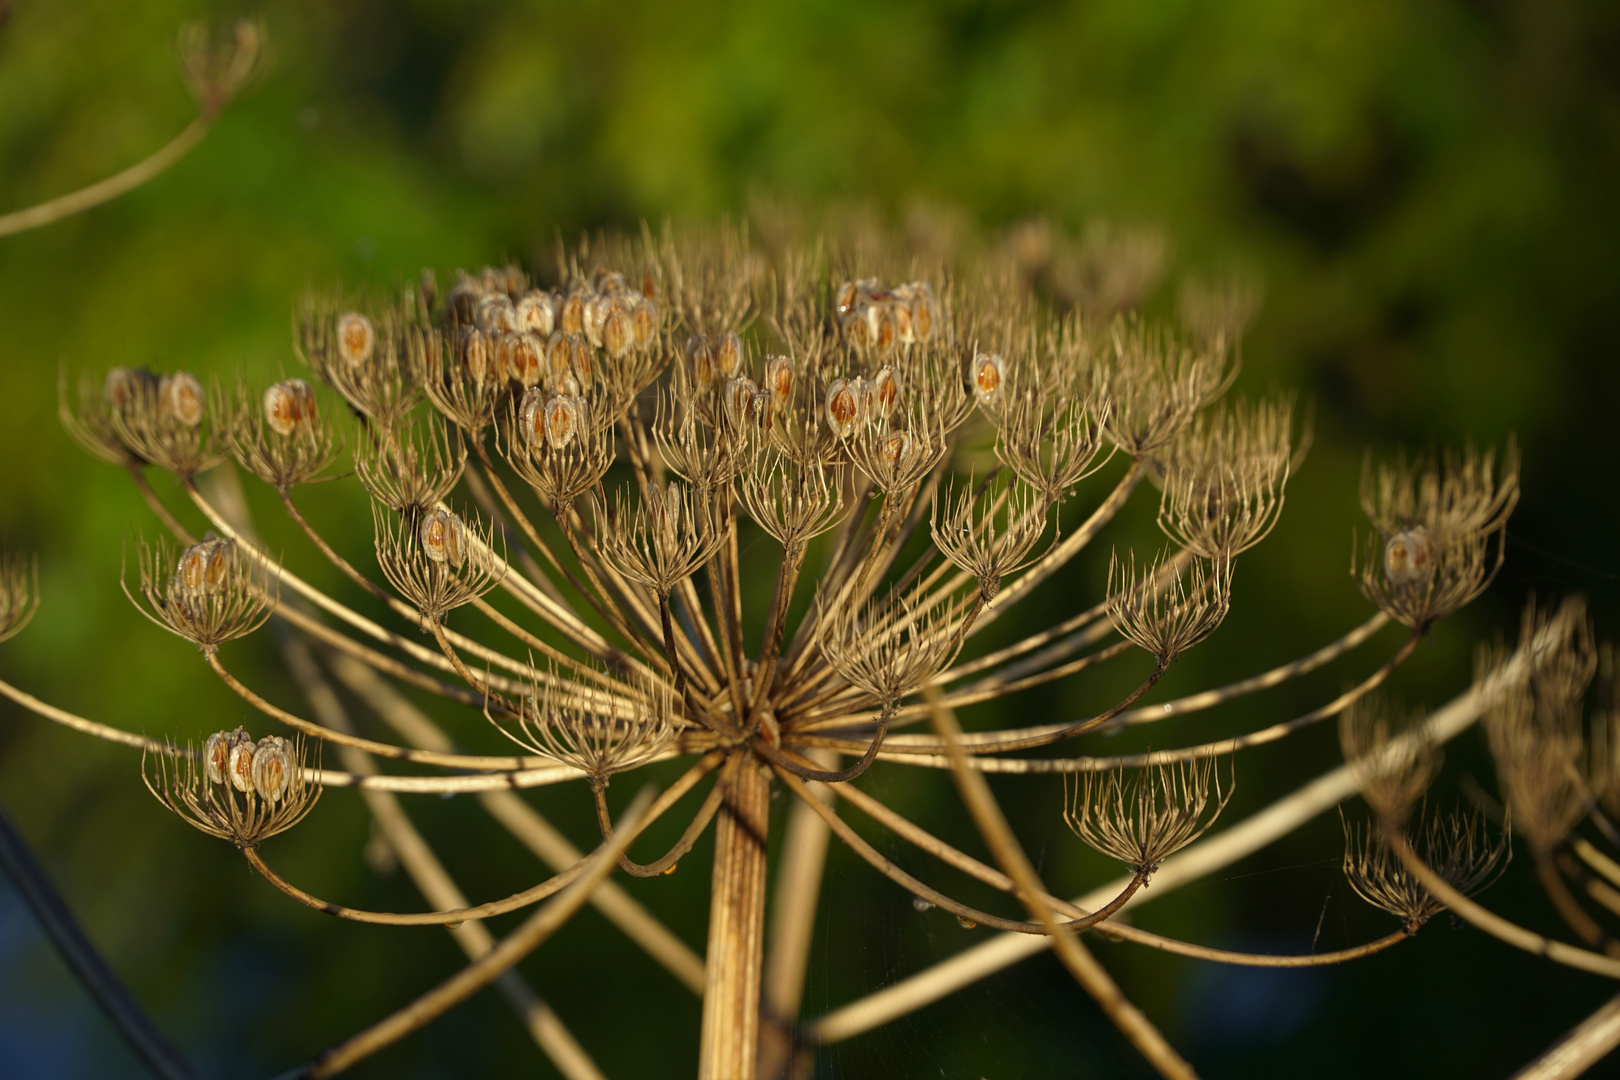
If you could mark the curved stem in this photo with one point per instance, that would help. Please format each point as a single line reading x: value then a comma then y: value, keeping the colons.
x: 700, y: 822
x: 481, y: 972
x: 113, y: 186
x: 1494, y: 924
x: 831, y: 777
x: 425, y: 757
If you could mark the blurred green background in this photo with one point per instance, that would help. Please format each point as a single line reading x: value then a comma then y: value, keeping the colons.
x: 1426, y: 188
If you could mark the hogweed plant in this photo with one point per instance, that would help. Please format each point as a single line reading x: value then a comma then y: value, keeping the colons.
x: 599, y: 468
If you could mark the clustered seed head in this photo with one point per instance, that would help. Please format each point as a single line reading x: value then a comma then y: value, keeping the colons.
x: 139, y: 417
x: 989, y: 530
x: 663, y: 541
x: 1550, y: 771
x: 891, y: 646
x: 244, y: 791
x: 209, y: 594
x: 600, y: 727
x: 438, y: 564
x: 1144, y: 819
x: 1441, y: 529
x: 1163, y: 611
x: 283, y: 441
x: 1392, y: 758
x: 19, y: 592
x: 1224, y: 478
x: 1456, y: 846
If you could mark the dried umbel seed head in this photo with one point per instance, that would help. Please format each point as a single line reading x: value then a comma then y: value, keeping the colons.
x: 204, y: 568
x: 988, y: 375
x: 272, y: 767
x: 443, y: 537
x: 239, y: 765
x: 525, y: 357
x: 1143, y: 820
x: 843, y: 407
x: 355, y: 338
x: 618, y: 332
x: 289, y: 406
x: 1456, y: 846
x: 883, y: 330
x: 181, y: 398
x: 600, y: 728
x: 1166, y: 611
x: 207, y: 595
x: 565, y: 415
x: 1388, y: 752
x: 779, y: 380
x: 1409, y: 556
x: 217, y: 754
x: 19, y: 593
x: 537, y: 313
x: 884, y: 394
x: 242, y: 793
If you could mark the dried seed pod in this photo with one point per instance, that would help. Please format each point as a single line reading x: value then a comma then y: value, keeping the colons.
x: 843, y: 407
x: 644, y: 322
x: 537, y: 313
x: 123, y: 386
x: 739, y: 401
x: 525, y: 356
x: 564, y: 417
x: 289, y: 406
x: 272, y: 767
x: 217, y: 753
x: 355, y: 338
x: 884, y: 331
x: 1409, y: 556
x: 571, y: 314
x: 618, y: 332
x: 895, y: 449
x: 988, y: 375
x: 597, y: 310
x: 479, y: 359
x: 728, y: 355
x: 700, y: 361
x: 532, y: 416
x: 845, y: 297
x: 580, y: 363
x: 495, y: 314
x: 779, y: 380
x: 559, y: 353
x: 205, y: 567
x: 182, y: 398
x: 857, y: 326
x: 884, y: 394
x: 901, y: 313
x: 239, y: 765
x: 443, y: 537
x: 924, y: 311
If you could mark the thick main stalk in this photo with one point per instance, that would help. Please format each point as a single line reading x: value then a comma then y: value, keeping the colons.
x: 730, y: 1044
